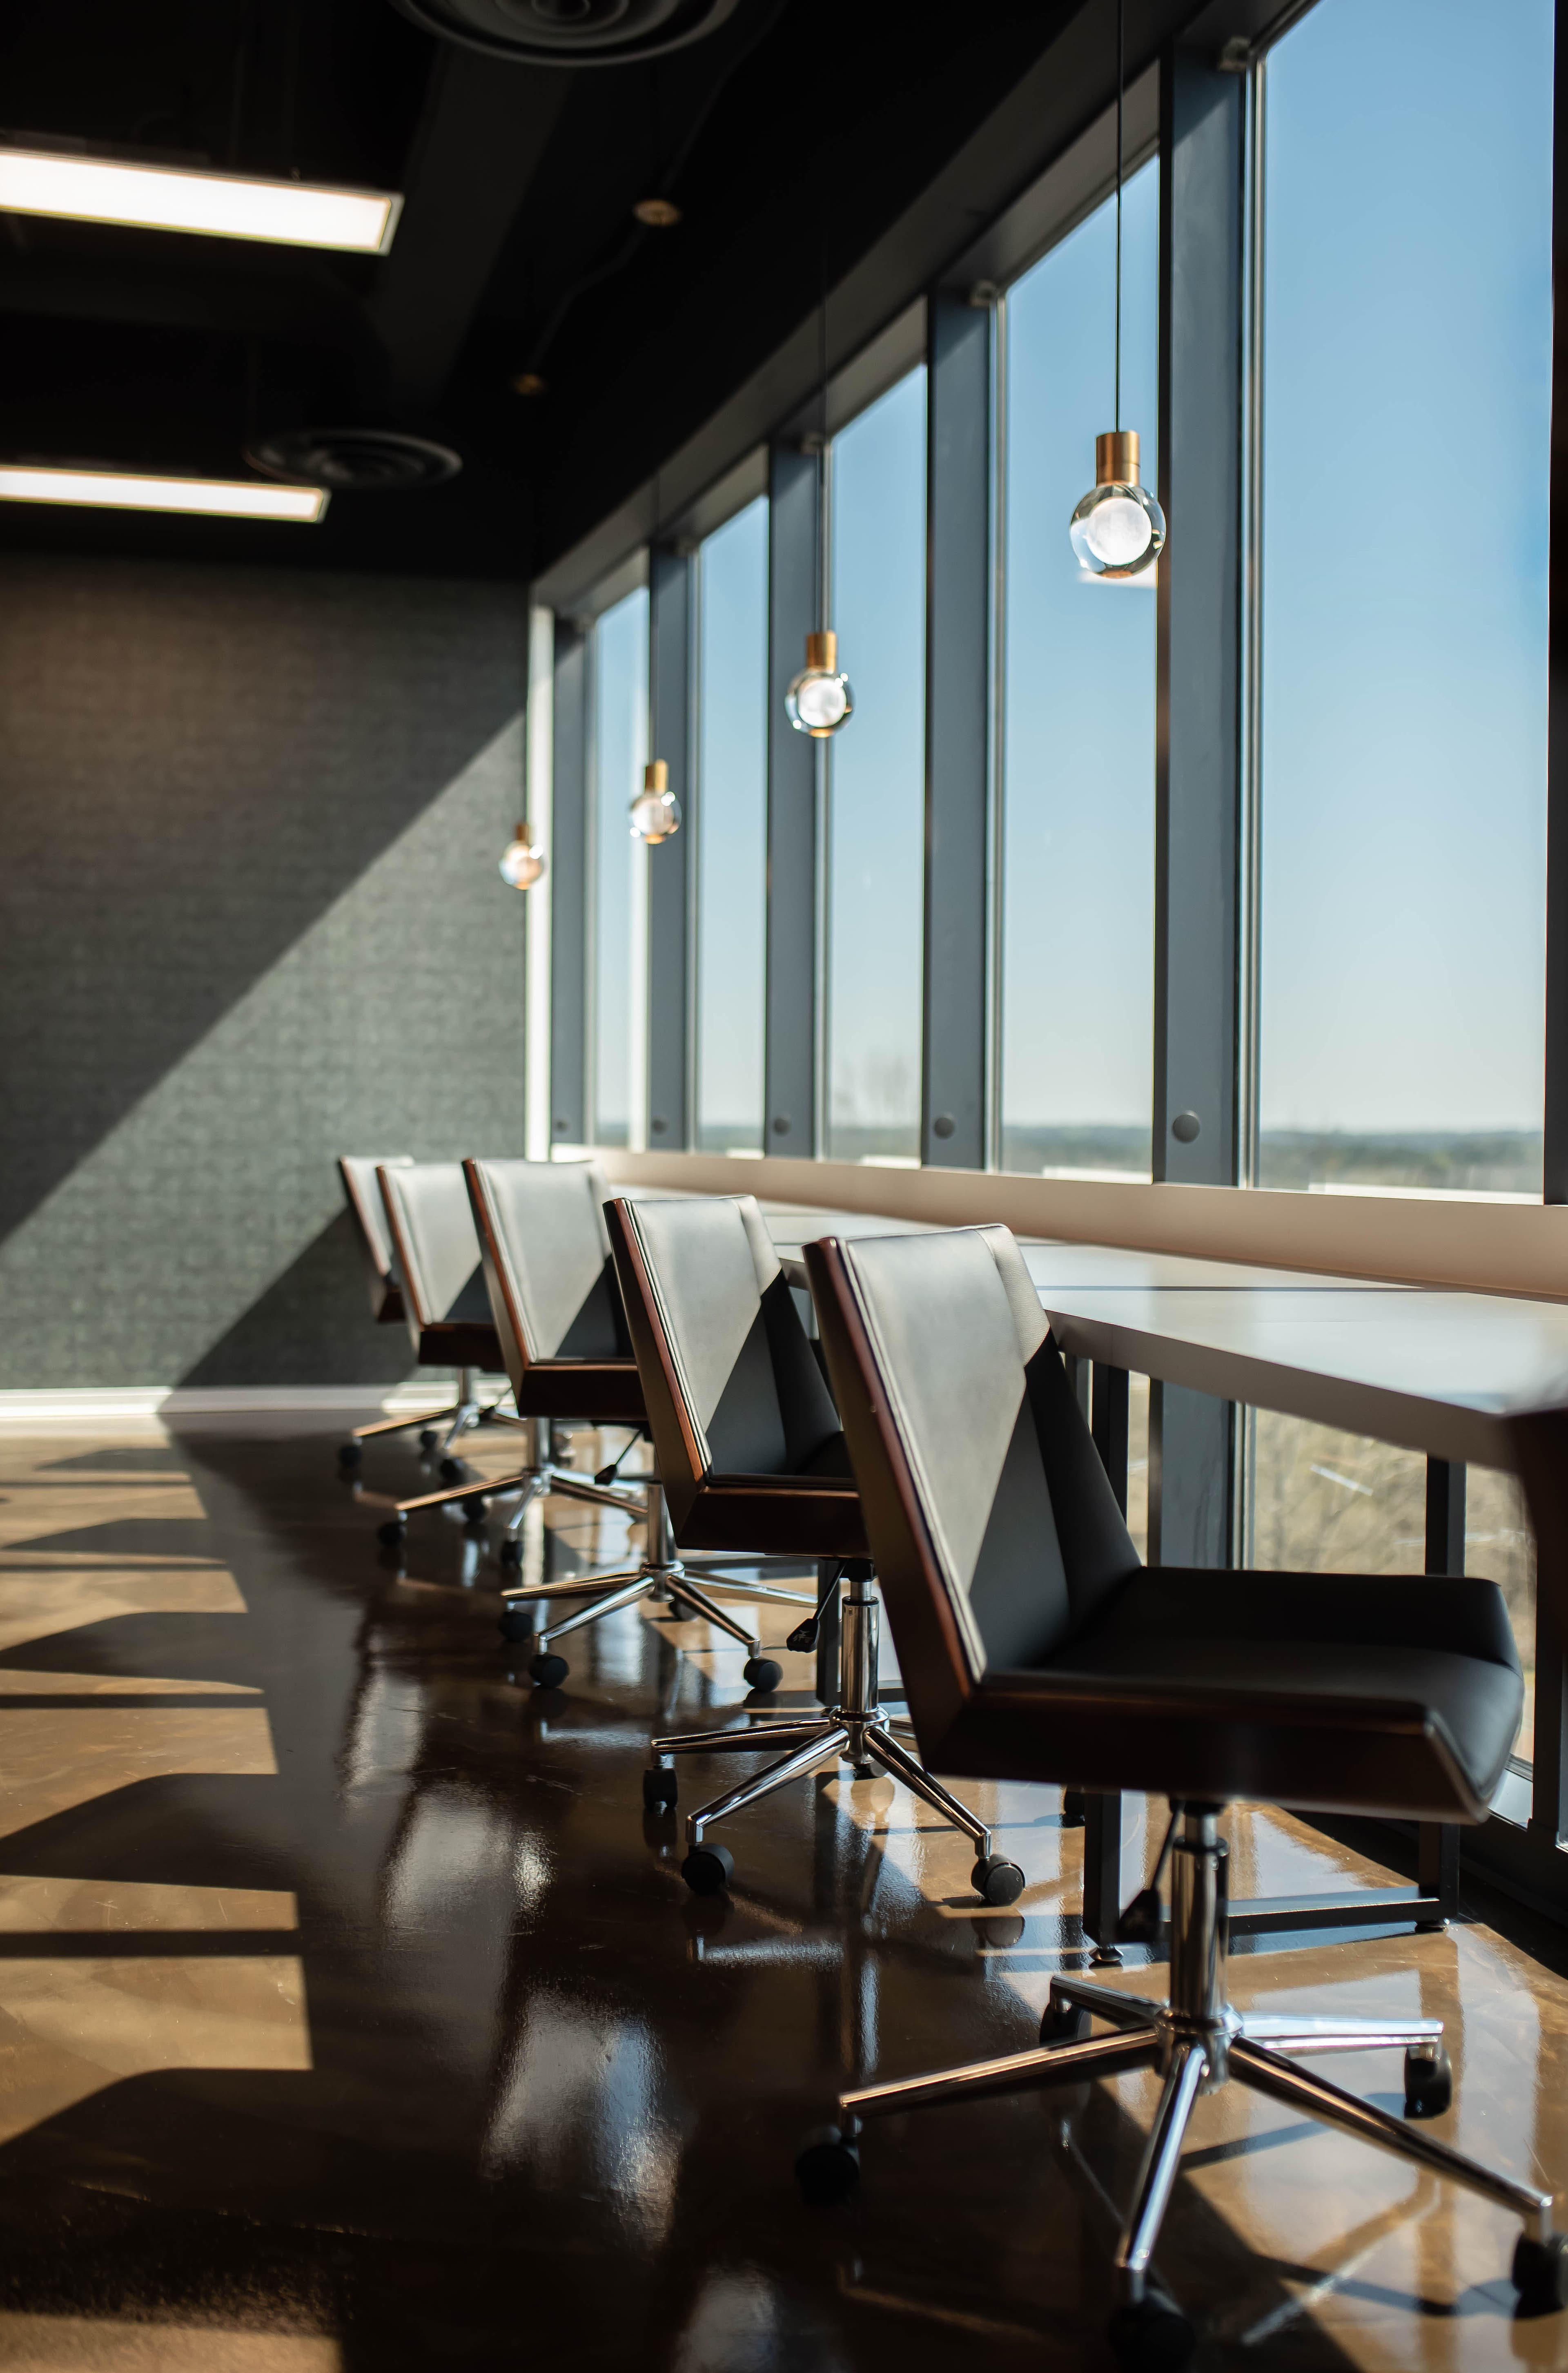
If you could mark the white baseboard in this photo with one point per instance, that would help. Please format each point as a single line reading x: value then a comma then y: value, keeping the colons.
x: 118, y: 1404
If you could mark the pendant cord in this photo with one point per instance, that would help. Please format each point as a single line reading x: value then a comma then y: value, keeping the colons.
x: 1121, y: 84
x: 821, y: 591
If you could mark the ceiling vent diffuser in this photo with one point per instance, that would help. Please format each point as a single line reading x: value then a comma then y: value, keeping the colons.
x: 356, y: 460
x: 570, y: 32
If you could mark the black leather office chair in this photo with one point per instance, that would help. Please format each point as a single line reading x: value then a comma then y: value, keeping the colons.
x: 752, y: 1457
x: 362, y: 1193
x: 557, y: 1318
x: 1035, y: 1647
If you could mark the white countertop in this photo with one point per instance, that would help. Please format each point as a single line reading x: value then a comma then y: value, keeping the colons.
x: 1435, y: 1371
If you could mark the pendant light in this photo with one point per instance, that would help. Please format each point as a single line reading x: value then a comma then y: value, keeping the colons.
x: 1118, y: 529
x: 819, y: 700
x: 656, y: 811
x: 523, y: 863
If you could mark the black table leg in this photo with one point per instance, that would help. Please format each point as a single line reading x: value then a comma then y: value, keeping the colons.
x: 1107, y: 1423
x: 1437, y: 1843
x: 1102, y: 1875
x: 1102, y: 1815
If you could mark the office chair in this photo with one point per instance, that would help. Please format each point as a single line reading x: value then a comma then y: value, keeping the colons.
x: 562, y: 1333
x: 751, y: 1452
x: 1035, y: 1647
x: 363, y: 1195
x: 435, y: 1258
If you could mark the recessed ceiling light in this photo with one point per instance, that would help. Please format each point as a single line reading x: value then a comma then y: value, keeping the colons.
x: 128, y: 490
x: 221, y: 205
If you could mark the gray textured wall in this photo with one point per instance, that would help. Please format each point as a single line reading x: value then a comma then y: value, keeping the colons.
x: 249, y: 917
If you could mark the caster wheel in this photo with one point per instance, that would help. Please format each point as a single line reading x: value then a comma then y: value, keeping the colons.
x: 708, y: 1870
x: 996, y: 1880
x: 1429, y: 2085
x: 659, y: 1789
x: 450, y: 1470
x: 761, y: 1673
x: 511, y: 1550
x: 393, y: 1531
x: 865, y: 1771
x: 516, y: 1623
x: 1073, y: 1808
x: 1151, y: 2338
x: 428, y: 1438
x: 1540, y: 2274
x: 827, y: 2167
x: 350, y: 1454
x: 1063, y: 2023
x: 548, y: 1672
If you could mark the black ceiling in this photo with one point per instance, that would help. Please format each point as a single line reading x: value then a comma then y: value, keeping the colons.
x: 791, y: 137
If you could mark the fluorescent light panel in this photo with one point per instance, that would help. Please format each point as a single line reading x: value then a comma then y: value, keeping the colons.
x: 125, y: 490
x: 223, y: 205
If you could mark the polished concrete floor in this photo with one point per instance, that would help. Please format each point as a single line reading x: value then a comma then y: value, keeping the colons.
x: 354, y: 2014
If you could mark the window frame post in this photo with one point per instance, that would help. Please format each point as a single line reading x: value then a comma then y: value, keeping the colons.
x: 790, y: 1059
x: 671, y: 866
x: 954, y: 1050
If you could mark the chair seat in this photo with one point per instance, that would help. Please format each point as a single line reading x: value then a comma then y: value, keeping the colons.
x: 1397, y: 1694
x: 605, y: 1391
x: 778, y: 1515
x: 460, y: 1343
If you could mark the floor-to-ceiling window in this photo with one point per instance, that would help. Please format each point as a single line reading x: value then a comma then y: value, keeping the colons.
x: 1406, y: 415
x: 1405, y: 344
x: 730, y: 925
x: 1078, y: 725
x: 875, y: 774
x: 618, y: 872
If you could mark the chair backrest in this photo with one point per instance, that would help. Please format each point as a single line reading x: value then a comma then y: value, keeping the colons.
x: 435, y: 1249
x: 363, y: 1195
x: 547, y: 1265
x: 993, y: 1525
x: 730, y: 1380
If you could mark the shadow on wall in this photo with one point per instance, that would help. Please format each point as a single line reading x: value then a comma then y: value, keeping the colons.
x: 312, y: 1324
x: 251, y: 920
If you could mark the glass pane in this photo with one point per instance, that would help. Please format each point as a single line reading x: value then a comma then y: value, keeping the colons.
x: 876, y: 830
x: 1331, y: 1502
x: 1406, y: 387
x: 732, y: 837
x: 620, y: 910
x: 1078, y: 831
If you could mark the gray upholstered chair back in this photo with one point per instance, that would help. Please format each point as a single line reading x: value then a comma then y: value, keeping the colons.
x: 743, y: 1366
x: 1015, y: 1503
x: 438, y: 1251
x: 552, y: 1283
x: 363, y: 1195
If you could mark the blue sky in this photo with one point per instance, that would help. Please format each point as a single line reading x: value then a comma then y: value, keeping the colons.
x: 876, y: 838
x: 1408, y: 390
x: 733, y: 796
x: 1077, y: 952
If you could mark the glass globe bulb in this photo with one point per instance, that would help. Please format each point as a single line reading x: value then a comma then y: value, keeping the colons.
x: 656, y: 815
x: 1117, y: 529
x: 819, y: 700
x: 817, y: 703
x: 523, y: 863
